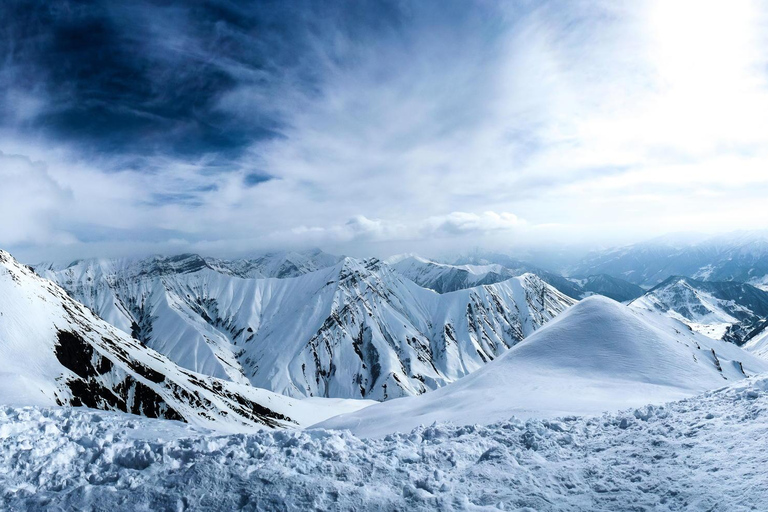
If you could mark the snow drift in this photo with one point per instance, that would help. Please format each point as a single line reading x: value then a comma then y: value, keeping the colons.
x: 597, y: 356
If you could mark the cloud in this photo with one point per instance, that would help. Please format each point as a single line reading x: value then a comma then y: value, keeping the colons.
x: 30, y: 201
x: 455, y: 224
x: 458, y: 223
x: 229, y: 128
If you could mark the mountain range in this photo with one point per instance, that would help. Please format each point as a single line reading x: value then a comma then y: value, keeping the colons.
x: 479, y: 388
x: 235, y: 353
x: 741, y: 257
x: 727, y: 310
x: 354, y: 329
x: 599, y: 355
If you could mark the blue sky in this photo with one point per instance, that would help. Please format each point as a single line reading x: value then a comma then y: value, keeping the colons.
x: 377, y: 127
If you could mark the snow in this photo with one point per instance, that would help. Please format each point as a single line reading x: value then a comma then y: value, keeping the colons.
x: 443, y: 277
x: 758, y: 345
x: 702, y: 453
x: 710, y: 318
x: 597, y: 356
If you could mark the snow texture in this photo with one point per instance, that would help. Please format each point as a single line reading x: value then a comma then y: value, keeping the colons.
x: 702, y: 453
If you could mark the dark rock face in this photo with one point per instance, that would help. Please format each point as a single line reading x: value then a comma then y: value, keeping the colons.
x: 90, y: 390
x: 181, y: 264
x: 77, y: 355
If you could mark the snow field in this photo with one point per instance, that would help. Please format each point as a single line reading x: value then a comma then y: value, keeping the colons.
x: 702, y: 453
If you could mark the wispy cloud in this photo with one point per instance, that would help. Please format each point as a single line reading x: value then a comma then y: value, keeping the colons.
x: 228, y: 127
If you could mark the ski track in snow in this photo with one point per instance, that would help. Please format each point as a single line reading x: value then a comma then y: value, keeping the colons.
x: 702, y: 453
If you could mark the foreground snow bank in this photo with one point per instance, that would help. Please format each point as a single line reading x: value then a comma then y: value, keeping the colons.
x: 703, y: 453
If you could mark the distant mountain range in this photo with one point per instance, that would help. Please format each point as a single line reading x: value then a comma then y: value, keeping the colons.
x: 494, y: 268
x: 741, y: 257
x: 729, y: 310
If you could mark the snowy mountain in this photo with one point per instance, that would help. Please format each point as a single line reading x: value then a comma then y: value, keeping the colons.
x: 729, y: 311
x: 597, y: 356
x: 607, y: 286
x: 741, y: 256
x: 353, y: 330
x: 443, y: 277
x: 54, y: 351
x: 758, y: 341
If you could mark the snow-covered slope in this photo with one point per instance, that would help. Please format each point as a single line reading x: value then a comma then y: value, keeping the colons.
x: 758, y: 345
x: 597, y: 356
x: 353, y: 330
x: 443, y: 277
x: 729, y: 311
x: 702, y: 453
x: 55, y: 351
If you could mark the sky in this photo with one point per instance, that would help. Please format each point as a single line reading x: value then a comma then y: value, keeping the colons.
x: 376, y: 127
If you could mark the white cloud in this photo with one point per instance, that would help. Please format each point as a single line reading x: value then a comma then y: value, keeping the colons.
x: 605, y: 121
x: 30, y: 202
x: 458, y: 223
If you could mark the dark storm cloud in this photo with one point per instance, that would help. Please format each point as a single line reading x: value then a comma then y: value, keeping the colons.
x: 149, y: 78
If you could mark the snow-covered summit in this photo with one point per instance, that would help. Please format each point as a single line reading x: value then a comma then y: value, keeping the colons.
x: 443, y: 277
x: 279, y: 264
x: 597, y: 356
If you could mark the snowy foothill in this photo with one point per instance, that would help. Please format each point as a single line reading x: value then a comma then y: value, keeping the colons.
x: 597, y: 356
x: 702, y: 453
